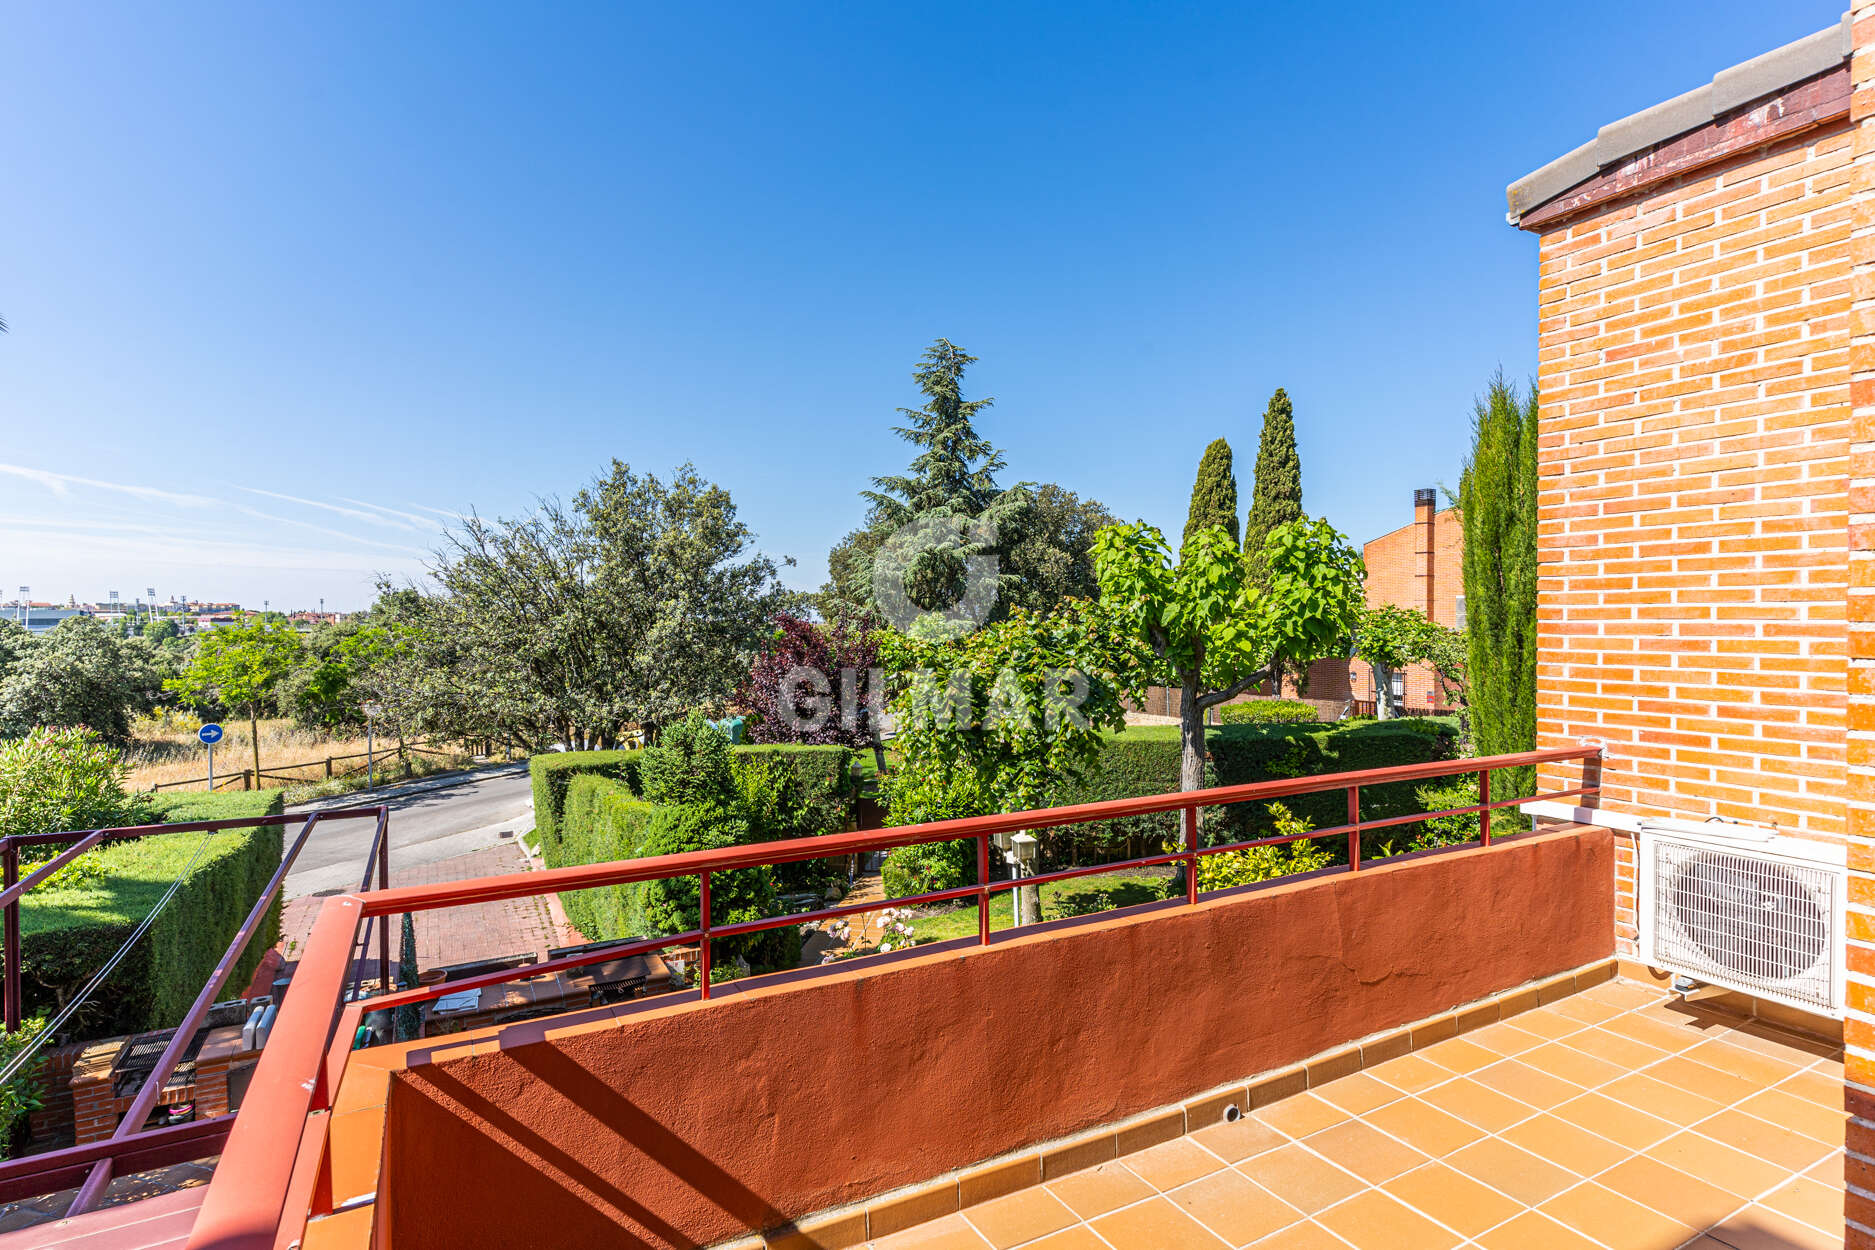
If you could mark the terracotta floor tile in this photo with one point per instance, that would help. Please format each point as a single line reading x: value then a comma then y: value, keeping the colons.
x: 1301, y: 1178
x: 1099, y: 1190
x: 1505, y: 1038
x: 1459, y: 1055
x: 1155, y: 1224
x: 1364, y: 1150
x: 1819, y: 1087
x: 1664, y: 1030
x: 1737, y: 1172
x: 1589, y: 1010
x: 1824, y: 1124
x: 1375, y: 1221
x: 1452, y: 1199
x: 1234, y: 1207
x: 1526, y: 1084
x: 1535, y: 1231
x: 1753, y: 1065
x: 1828, y: 1172
x: 1359, y: 1093
x: 1080, y: 1237
x: 1617, y: 1122
x: 1614, y: 1047
x: 1675, y: 1194
x: 1301, y: 1115
x: 1512, y: 1170
x: 1248, y: 1136
x: 1757, y: 1035
x: 1173, y: 1163
x: 1423, y: 1126
x: 1724, y: 1088
x: 951, y: 1232
x: 1305, y: 1236
x: 1756, y: 1228
x: 1547, y: 1022
x: 1567, y: 1145
x: 1617, y: 1222
x: 1411, y: 1073
x: 1770, y: 1142
x: 1019, y: 1217
x: 1562, y: 1059
x: 1475, y: 1104
x: 1623, y: 994
x: 1808, y: 1202
x: 1674, y: 1103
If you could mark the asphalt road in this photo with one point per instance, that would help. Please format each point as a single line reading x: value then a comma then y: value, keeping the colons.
x: 427, y: 823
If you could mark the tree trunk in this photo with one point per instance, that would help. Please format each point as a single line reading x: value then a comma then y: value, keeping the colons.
x: 1191, y: 741
x: 1383, y: 691
x: 253, y: 727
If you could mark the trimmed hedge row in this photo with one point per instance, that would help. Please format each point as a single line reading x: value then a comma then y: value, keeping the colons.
x: 824, y: 774
x: 68, y: 932
x: 1144, y: 760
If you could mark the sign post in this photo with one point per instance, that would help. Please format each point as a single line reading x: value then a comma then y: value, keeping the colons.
x: 210, y: 734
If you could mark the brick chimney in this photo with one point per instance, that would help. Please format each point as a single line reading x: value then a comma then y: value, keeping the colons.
x: 1425, y: 510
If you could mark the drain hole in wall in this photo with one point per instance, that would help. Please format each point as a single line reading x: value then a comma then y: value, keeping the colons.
x: 1232, y: 1113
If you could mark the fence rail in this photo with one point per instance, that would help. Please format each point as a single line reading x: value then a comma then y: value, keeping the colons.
x: 278, y: 1146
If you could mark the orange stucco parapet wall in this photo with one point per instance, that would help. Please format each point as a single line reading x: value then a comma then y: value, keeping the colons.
x: 682, y: 1125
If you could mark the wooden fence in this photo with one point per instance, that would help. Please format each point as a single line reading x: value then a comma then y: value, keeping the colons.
x: 250, y: 779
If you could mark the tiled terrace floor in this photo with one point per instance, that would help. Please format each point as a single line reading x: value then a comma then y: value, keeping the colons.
x: 1609, y: 1119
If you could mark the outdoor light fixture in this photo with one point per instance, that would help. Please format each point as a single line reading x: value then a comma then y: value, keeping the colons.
x: 1002, y: 841
x: 1027, y: 846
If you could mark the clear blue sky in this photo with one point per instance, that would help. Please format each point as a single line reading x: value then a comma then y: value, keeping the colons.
x: 452, y: 256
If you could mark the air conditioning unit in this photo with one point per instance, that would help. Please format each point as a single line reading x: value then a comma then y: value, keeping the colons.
x: 1746, y: 909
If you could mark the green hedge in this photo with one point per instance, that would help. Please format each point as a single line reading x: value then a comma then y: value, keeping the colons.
x: 68, y: 932
x: 1269, y: 712
x: 1144, y: 760
x: 824, y: 774
x: 603, y: 821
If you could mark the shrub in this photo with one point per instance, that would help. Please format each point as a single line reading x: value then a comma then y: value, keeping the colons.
x: 67, y: 932
x: 929, y: 866
x: 1262, y: 863
x: 1269, y: 712
x: 1135, y: 762
x: 843, y: 646
x: 603, y: 821
x: 552, y: 772
x: 22, y: 1095
x: 53, y: 780
x: 688, y: 766
x: 823, y: 777
x: 1446, y: 792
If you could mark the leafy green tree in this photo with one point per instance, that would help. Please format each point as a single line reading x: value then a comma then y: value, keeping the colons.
x: 15, y: 642
x: 639, y: 601
x: 1051, y: 559
x: 1497, y: 509
x: 1388, y: 639
x: 1276, y: 494
x: 1214, y: 494
x: 161, y: 631
x: 241, y: 667
x: 1211, y: 629
x: 81, y: 673
x: 53, y: 780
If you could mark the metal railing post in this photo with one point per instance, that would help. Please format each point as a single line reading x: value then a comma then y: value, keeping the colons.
x: 983, y: 888
x: 703, y: 962
x: 1354, y: 828
x: 11, y: 858
x: 1191, y: 854
x: 384, y: 926
x: 1484, y: 798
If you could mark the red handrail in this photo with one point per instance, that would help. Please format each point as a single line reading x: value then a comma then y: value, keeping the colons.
x: 273, y: 1143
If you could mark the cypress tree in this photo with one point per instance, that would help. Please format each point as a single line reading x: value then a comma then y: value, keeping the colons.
x: 955, y: 470
x: 1276, y: 495
x: 1497, y: 507
x: 1214, y: 494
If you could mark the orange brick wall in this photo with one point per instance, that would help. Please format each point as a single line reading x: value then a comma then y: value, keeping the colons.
x: 1693, y: 492
x: 1858, y: 1035
x: 1396, y: 574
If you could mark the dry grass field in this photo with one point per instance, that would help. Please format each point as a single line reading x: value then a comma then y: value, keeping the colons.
x: 164, y: 750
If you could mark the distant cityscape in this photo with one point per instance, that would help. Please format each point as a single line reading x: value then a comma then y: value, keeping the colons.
x: 188, y: 615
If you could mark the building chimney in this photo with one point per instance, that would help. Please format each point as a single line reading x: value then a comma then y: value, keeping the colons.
x: 1425, y: 509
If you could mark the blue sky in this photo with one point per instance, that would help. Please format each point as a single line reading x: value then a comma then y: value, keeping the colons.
x: 288, y: 285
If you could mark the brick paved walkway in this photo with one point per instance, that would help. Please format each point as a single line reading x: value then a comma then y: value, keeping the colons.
x: 456, y: 934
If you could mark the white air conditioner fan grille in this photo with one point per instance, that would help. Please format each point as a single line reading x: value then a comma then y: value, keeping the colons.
x: 1746, y: 920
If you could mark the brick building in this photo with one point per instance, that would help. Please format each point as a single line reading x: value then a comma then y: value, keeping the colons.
x: 1706, y: 368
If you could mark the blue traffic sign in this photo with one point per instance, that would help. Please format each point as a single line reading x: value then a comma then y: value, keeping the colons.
x: 210, y: 734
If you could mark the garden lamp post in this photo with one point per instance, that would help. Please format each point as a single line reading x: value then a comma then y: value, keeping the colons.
x: 1027, y: 848
x: 372, y: 711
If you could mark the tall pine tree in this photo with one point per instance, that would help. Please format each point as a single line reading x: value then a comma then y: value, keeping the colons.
x: 1276, y: 495
x: 955, y: 470
x: 1214, y: 494
x: 1497, y: 508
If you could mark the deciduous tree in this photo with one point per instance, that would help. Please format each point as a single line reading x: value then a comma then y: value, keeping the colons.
x: 81, y: 673
x: 241, y: 666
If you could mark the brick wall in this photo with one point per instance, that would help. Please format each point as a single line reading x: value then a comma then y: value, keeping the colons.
x: 1399, y: 573
x: 1693, y: 491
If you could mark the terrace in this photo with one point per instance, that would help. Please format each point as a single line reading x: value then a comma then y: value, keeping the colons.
x: 1426, y: 1050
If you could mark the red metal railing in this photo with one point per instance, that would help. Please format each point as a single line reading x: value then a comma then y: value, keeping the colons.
x: 268, y: 1183
x: 130, y: 1147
